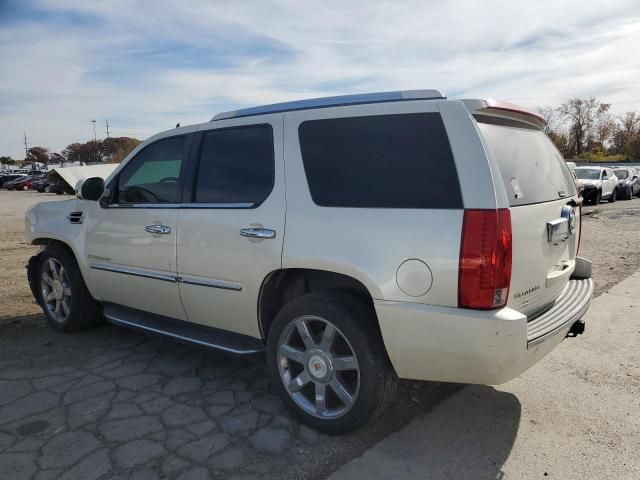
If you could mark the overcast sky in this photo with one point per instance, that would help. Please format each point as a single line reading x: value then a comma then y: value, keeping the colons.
x: 146, y: 65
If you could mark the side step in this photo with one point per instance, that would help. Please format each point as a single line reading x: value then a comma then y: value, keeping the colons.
x: 211, y: 337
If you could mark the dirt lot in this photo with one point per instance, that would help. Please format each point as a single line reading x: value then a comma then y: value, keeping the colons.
x: 116, y: 404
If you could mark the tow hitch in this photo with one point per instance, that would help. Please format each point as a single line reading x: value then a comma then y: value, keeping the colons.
x: 576, y: 329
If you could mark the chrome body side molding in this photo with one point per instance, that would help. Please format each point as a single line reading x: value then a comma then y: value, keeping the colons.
x: 167, y: 277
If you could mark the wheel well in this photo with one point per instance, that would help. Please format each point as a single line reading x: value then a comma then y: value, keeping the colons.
x: 282, y: 286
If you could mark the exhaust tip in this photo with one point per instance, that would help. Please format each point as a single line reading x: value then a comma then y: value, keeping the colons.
x: 576, y: 329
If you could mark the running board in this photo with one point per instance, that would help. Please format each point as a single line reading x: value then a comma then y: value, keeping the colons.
x: 183, y: 331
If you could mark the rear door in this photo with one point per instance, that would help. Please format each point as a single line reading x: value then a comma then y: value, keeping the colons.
x: 541, y: 190
x: 231, y: 222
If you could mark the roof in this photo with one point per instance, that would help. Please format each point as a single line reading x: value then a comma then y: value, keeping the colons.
x: 341, y: 100
x: 72, y: 175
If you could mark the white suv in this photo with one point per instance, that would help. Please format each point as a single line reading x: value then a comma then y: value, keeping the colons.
x: 355, y: 239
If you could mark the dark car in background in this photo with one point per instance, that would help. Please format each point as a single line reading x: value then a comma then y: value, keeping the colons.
x: 628, y: 182
x: 4, y: 179
x: 22, y: 183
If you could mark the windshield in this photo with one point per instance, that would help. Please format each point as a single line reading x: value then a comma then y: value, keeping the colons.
x: 621, y: 174
x: 587, y: 174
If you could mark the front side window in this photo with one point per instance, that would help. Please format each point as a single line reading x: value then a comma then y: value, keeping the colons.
x: 152, y: 175
x: 236, y: 166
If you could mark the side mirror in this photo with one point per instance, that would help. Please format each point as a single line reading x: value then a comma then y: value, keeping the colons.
x: 90, y: 189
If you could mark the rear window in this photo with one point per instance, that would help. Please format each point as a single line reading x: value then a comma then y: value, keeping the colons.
x: 532, y: 168
x: 382, y: 161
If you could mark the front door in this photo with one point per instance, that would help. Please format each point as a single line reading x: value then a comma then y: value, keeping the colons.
x: 131, y: 236
x: 232, y: 224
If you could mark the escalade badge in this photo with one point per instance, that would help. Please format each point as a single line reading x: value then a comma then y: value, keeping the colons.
x: 526, y: 292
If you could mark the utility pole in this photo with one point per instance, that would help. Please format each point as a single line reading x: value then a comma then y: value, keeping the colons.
x: 106, y: 123
x: 26, y: 147
x: 95, y: 139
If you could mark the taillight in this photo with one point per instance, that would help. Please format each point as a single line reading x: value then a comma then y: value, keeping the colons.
x: 485, y: 259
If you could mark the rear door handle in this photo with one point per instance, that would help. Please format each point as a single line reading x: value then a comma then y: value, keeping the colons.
x: 156, y: 228
x: 254, y: 232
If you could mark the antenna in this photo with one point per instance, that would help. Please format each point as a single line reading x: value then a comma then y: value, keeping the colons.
x: 26, y: 146
x: 106, y: 124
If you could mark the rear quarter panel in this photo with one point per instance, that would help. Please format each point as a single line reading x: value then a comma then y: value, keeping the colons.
x: 370, y: 244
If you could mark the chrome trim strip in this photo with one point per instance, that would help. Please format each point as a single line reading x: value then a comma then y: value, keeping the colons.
x: 210, y: 282
x: 107, y: 267
x: 217, y: 205
x: 171, y: 206
x: 119, y: 321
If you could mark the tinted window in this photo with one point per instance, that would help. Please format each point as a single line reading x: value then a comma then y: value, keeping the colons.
x: 532, y: 168
x: 384, y: 161
x: 236, y: 166
x: 152, y: 175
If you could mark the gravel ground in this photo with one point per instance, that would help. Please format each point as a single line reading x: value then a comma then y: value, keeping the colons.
x: 113, y: 403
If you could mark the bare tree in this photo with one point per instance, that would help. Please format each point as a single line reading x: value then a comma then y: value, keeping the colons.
x: 580, y: 114
x: 604, y: 126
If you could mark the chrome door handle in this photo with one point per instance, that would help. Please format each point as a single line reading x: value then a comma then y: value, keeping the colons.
x: 254, y: 232
x: 155, y: 228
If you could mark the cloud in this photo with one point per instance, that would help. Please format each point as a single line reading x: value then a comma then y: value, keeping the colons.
x: 147, y: 65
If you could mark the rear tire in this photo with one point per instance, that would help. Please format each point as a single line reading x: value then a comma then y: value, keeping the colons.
x: 613, y: 196
x: 334, y: 382
x: 67, y: 304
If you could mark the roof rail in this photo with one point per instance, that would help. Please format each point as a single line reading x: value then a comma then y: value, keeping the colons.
x: 341, y: 100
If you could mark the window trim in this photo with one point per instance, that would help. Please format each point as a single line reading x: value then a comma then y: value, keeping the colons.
x: 112, y: 187
x: 191, y: 178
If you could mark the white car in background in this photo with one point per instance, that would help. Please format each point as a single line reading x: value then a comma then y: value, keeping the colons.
x: 600, y: 183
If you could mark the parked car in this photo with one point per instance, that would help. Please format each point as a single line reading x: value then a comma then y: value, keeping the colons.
x: 426, y: 238
x: 9, y: 178
x: 16, y: 183
x: 600, y: 183
x: 628, y: 182
x: 21, y: 183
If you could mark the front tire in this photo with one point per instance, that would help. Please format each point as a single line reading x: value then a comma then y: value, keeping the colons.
x: 67, y: 304
x: 327, y: 361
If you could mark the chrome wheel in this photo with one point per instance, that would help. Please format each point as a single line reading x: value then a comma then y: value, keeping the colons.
x: 56, y: 290
x: 318, y: 367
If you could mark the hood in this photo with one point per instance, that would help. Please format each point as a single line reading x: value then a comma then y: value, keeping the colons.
x: 595, y: 183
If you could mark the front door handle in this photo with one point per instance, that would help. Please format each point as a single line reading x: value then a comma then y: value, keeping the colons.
x: 254, y: 232
x: 156, y: 228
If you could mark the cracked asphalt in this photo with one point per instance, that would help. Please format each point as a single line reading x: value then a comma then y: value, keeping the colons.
x: 111, y: 403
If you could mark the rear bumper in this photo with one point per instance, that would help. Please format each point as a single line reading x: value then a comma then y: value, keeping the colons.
x: 426, y: 342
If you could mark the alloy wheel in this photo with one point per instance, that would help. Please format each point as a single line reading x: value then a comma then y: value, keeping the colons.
x: 56, y: 290
x: 318, y: 367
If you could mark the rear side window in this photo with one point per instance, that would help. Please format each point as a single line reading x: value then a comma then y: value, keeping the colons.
x: 236, y: 166
x: 382, y: 161
x: 532, y: 168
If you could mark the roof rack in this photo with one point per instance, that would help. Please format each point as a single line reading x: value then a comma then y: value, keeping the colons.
x: 341, y: 100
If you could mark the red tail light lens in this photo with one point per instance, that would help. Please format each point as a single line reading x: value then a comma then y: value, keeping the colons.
x: 485, y: 259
